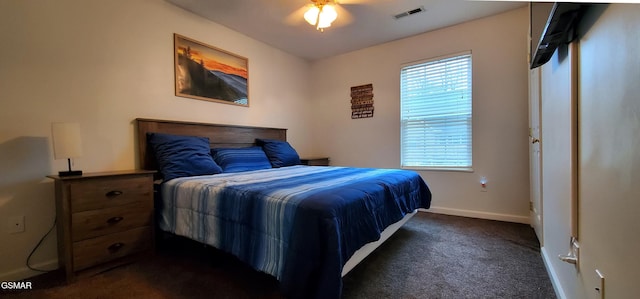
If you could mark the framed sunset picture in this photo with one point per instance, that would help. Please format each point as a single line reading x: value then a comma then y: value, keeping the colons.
x: 207, y: 73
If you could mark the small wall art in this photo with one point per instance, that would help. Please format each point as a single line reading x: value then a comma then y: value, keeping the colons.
x: 362, y: 101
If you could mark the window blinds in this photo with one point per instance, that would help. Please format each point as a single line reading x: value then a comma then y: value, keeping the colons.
x: 436, y: 113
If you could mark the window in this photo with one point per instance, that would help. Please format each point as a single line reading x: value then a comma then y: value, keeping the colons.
x: 435, y: 112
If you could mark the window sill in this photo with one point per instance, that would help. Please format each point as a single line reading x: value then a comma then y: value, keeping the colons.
x: 452, y: 169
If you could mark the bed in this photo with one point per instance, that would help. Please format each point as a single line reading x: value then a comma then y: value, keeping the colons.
x: 305, y: 225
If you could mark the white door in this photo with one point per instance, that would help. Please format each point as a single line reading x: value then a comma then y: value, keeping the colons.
x: 534, y: 153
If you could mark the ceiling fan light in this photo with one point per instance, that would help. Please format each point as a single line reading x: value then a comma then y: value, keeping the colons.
x: 328, y: 14
x: 321, y: 15
x: 323, y: 24
x: 311, y: 16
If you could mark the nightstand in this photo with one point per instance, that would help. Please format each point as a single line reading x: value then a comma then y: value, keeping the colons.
x: 104, y: 219
x: 315, y: 161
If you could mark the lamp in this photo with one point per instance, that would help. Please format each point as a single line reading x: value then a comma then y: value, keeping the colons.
x: 66, y: 144
x: 321, y: 14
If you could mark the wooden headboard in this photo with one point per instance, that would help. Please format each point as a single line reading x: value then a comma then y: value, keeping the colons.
x: 219, y: 135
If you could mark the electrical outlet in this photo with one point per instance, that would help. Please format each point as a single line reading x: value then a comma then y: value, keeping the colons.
x: 600, y: 287
x: 15, y: 224
x: 483, y: 184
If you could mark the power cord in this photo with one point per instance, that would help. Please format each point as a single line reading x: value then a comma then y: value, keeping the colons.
x: 38, y: 245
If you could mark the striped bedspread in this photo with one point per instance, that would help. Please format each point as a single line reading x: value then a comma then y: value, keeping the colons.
x: 299, y: 223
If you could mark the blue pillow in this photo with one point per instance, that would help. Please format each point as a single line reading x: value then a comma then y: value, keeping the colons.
x: 280, y: 153
x: 240, y: 159
x: 180, y: 156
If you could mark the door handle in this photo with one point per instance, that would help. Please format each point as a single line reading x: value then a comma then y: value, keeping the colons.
x: 574, y: 252
x: 568, y: 259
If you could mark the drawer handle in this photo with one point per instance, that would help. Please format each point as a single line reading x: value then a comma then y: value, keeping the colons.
x: 114, y: 193
x: 115, y: 247
x: 114, y: 220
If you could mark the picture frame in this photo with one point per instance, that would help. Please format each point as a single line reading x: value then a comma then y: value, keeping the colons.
x: 204, y: 72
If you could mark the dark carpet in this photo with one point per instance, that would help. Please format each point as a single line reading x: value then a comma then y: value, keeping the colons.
x: 432, y: 256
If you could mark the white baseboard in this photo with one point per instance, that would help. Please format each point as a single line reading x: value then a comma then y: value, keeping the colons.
x: 25, y: 272
x: 552, y: 274
x: 478, y: 214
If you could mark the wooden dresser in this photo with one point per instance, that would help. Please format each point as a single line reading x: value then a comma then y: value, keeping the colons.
x: 103, y: 219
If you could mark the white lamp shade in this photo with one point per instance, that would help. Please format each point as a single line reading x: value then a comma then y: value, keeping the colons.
x: 327, y: 16
x: 66, y: 140
x: 321, y: 17
x: 311, y: 16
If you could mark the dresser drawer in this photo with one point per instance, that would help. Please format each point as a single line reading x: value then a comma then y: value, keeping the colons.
x: 109, y: 192
x: 94, y: 223
x: 99, y: 250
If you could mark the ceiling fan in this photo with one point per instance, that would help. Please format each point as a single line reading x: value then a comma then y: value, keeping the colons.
x: 322, y: 13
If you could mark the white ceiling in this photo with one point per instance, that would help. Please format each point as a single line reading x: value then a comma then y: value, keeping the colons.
x: 360, y: 23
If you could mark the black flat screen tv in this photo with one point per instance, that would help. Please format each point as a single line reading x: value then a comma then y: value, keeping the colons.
x: 552, y: 24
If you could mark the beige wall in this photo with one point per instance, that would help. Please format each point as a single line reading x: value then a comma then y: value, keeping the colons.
x: 610, y: 152
x: 500, y: 119
x: 608, y: 160
x: 102, y: 64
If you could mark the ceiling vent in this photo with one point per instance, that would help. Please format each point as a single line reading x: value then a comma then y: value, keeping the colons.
x: 409, y: 12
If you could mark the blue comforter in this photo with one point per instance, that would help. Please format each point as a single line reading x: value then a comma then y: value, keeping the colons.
x: 300, y: 223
